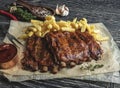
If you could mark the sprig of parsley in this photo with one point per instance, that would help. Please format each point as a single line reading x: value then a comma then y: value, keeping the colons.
x: 24, y: 14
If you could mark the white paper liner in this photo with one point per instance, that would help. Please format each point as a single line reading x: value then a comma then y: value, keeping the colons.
x: 110, y: 59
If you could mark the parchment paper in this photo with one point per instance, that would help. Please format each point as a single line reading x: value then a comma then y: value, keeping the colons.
x: 110, y: 59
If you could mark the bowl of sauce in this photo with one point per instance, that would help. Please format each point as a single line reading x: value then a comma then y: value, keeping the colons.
x: 8, y: 56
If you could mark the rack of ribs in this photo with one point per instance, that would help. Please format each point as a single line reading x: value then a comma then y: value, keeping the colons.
x: 60, y: 49
x: 37, y: 56
x: 68, y: 48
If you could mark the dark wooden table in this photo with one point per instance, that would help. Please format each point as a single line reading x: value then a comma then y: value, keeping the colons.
x: 105, y: 11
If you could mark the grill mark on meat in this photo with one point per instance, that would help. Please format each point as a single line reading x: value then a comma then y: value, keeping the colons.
x: 50, y: 43
x: 94, y: 48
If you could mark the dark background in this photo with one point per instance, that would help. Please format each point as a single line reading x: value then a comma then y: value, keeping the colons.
x: 105, y: 11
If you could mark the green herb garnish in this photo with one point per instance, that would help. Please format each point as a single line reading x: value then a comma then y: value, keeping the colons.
x: 91, y: 67
x: 24, y: 14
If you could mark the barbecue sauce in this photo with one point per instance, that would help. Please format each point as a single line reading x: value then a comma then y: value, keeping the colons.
x: 8, y: 54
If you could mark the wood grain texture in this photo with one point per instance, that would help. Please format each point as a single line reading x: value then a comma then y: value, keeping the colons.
x: 105, y: 11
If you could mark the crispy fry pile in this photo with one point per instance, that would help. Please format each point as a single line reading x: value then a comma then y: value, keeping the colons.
x: 40, y: 28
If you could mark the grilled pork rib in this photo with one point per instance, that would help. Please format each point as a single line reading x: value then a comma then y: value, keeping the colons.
x: 37, y: 56
x: 67, y: 47
x: 60, y: 49
x: 94, y: 48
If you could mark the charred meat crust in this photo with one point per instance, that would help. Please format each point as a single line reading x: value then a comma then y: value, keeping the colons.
x: 60, y: 49
x: 67, y: 47
x: 94, y: 48
x: 37, y: 56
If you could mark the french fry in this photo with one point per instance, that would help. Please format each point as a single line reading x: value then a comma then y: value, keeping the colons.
x: 74, y: 25
x: 49, y: 18
x: 74, y: 20
x: 36, y: 22
x: 62, y: 24
x: 67, y: 29
x: 23, y: 36
x: 56, y: 26
x: 50, y: 26
x: 31, y: 28
x: 38, y: 34
x: 30, y: 33
x: 41, y: 28
x: 83, y: 29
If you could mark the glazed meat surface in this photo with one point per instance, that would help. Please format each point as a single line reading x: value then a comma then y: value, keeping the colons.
x: 60, y: 49
x: 37, y: 56
x: 67, y: 47
x: 95, y: 50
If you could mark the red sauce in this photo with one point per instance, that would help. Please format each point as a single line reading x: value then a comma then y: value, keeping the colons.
x: 7, y: 52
